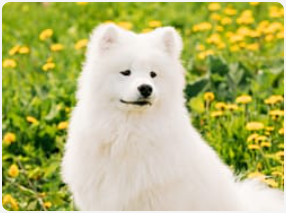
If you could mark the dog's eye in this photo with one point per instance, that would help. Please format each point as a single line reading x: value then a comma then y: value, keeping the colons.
x: 153, y: 74
x: 126, y: 72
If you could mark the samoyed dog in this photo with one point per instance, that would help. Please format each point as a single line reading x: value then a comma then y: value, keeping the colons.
x: 130, y: 142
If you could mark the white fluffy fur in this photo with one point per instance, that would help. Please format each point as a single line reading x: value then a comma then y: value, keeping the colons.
x: 122, y: 157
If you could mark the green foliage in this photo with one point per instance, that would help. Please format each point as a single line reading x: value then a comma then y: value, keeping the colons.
x: 39, y: 83
x: 227, y: 80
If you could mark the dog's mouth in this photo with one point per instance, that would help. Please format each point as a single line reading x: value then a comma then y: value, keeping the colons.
x: 138, y: 103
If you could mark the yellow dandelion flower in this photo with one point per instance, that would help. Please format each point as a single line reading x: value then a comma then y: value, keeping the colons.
x: 209, y: 52
x: 214, y: 39
x: 125, y: 25
x: 215, y: 114
x: 62, y: 125
x: 269, y: 101
x: 280, y: 35
x: 14, y: 50
x: 204, y: 26
x: 254, y: 34
x: 47, y: 204
x: 214, y: 6
x: 277, y: 113
x: 276, y: 12
x: 32, y: 120
x: 280, y: 154
x: 247, y: 13
x: 245, y: 20
x: 196, y: 28
x: 281, y: 10
x: 13, y: 171
x: 146, y: 30
x: 220, y: 106
x: 81, y: 3
x: 236, y: 38
x: 265, y: 144
x: 274, y: 99
x: 262, y: 25
x: 219, y: 28
x: 232, y: 107
x: 254, y: 126
x: 243, y: 99
x: 256, y: 175
x: 234, y: 48
x: 269, y: 38
x: 8, y: 199
x: 277, y: 173
x: 252, y: 137
x: 259, y: 166
x: 49, y: 59
x: 221, y: 45
x: 273, y: 27
x: 253, y: 47
x: 209, y: 96
x: 154, y: 24
x: 254, y: 3
x: 226, y: 21
x: 9, y: 63
x: 229, y: 11
x: 244, y: 31
x: 271, y: 182
x: 229, y: 34
x: 204, y: 54
x: 56, y: 47
x: 81, y: 44
x: 245, y: 17
x: 269, y: 128
x: 24, y: 50
x: 253, y: 146
x: 48, y: 66
x: 215, y: 17
x: 242, y: 44
x: 42, y: 194
x: 200, y: 47
x: 281, y: 131
x: 9, y: 138
x: 45, y: 34
x: 59, y: 107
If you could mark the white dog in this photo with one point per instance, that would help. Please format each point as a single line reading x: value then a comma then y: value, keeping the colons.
x: 131, y: 145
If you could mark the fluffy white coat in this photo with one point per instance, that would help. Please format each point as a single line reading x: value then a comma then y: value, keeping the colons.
x: 124, y: 157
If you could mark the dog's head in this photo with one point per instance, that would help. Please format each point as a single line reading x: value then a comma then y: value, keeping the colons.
x: 135, y: 71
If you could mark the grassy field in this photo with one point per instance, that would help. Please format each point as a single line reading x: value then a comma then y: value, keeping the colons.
x: 233, y: 54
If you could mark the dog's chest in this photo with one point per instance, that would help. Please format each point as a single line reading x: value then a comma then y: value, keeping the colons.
x: 127, y: 164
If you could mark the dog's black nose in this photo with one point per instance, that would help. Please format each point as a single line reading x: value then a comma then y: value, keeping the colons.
x: 145, y: 90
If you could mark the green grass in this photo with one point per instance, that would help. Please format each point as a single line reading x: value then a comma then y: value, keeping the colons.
x: 252, y: 65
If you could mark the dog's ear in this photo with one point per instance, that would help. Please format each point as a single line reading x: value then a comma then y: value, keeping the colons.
x: 172, y: 41
x: 108, y: 37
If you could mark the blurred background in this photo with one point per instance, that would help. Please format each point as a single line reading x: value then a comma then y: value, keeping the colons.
x: 233, y: 55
